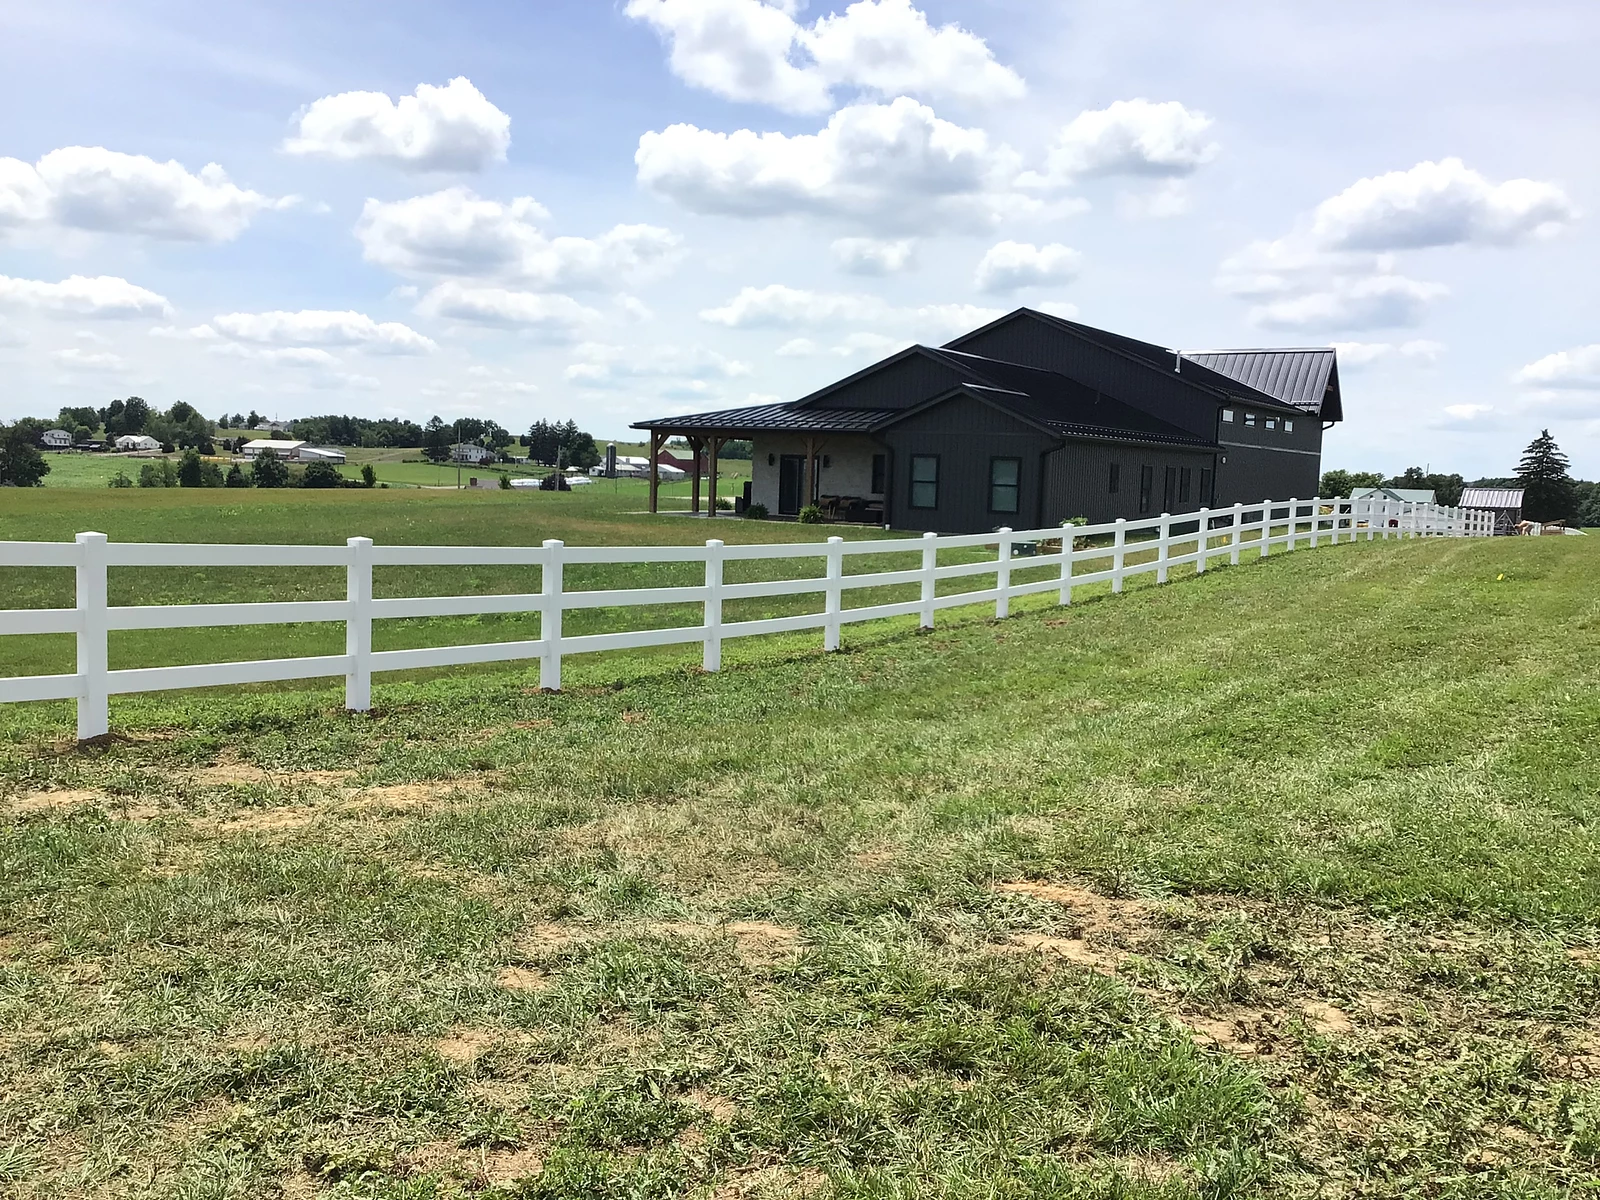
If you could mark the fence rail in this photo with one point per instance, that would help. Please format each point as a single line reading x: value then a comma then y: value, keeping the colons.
x: 1204, y: 537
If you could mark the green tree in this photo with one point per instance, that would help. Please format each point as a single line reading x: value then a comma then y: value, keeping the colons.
x: 191, y: 469
x: 1548, y: 493
x: 436, y: 441
x: 369, y: 475
x: 269, y: 471
x: 158, y: 474
x: 236, y: 477
x: 21, y: 464
x: 120, y: 480
x: 321, y: 475
x: 71, y: 418
x: 1342, y: 483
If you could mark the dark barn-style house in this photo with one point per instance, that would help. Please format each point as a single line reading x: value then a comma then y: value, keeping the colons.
x: 1030, y: 420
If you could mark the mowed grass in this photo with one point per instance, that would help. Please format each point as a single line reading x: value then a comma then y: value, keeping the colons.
x: 1279, y: 881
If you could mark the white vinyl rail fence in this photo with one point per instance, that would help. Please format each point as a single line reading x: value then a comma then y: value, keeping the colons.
x: 1207, y: 536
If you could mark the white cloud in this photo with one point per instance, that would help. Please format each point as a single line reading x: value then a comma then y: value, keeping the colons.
x: 288, y: 356
x: 873, y: 256
x: 454, y: 232
x: 1438, y: 204
x: 1376, y: 302
x: 99, y: 190
x: 1468, y: 418
x: 605, y: 366
x: 1057, y: 308
x: 892, y: 166
x: 450, y: 128
x: 100, y: 296
x: 1008, y: 266
x: 1169, y: 198
x: 757, y: 52
x: 779, y: 307
x: 1129, y: 137
x: 319, y: 328
x: 77, y: 358
x: 554, y: 315
x: 800, y: 347
x: 1360, y: 354
x: 1576, y: 368
x: 11, y: 337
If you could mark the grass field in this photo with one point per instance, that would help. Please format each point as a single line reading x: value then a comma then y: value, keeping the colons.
x: 399, y: 468
x: 1277, y: 882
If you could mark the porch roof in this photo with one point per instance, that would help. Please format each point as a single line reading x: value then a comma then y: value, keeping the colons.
x: 787, y: 417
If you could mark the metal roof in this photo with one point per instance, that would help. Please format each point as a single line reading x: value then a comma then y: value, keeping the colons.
x: 1297, y: 376
x: 788, y: 417
x: 1491, y: 498
x: 1409, y: 495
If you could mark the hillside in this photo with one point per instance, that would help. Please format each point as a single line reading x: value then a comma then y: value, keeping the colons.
x: 1277, y: 879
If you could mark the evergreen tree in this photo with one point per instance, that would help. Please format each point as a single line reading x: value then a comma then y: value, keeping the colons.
x: 269, y: 471
x: 1548, y: 492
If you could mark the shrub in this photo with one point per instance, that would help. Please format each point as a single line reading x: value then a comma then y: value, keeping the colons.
x: 724, y: 504
x: 369, y: 475
x: 505, y: 483
x: 321, y: 475
x: 120, y: 480
x: 756, y: 512
x: 158, y: 474
x: 236, y: 477
x: 1070, y: 521
x: 554, y: 482
x: 269, y: 471
x: 810, y: 515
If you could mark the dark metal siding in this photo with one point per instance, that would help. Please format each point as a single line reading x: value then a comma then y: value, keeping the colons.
x: 1036, y: 345
x: 965, y: 434
x: 1250, y: 474
x: 1078, y: 475
x: 908, y: 382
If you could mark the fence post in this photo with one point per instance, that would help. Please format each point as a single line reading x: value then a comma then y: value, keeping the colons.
x: 1367, y: 504
x: 712, y: 661
x: 1002, y: 576
x: 550, y: 618
x: 835, y: 594
x: 1119, y: 549
x: 358, y: 626
x: 1163, y: 547
x: 1266, y: 528
x: 930, y: 563
x: 94, y: 702
x: 1069, y: 543
x: 1294, y: 520
x: 1233, y: 542
x: 1203, y: 541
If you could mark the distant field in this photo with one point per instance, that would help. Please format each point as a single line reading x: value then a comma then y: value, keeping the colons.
x: 1279, y: 882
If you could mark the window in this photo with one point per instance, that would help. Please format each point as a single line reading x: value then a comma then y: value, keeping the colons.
x: 924, y: 481
x: 1005, y: 484
x: 1205, y: 486
x: 1227, y: 415
x: 1288, y: 426
x: 880, y: 471
x: 1184, y: 477
x: 1147, y: 481
x: 1116, y: 478
x: 1250, y: 419
x: 1272, y: 422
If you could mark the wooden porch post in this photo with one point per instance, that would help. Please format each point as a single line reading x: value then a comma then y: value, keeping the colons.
x: 657, y: 439
x: 810, y: 496
x: 695, y: 445
x: 715, y: 442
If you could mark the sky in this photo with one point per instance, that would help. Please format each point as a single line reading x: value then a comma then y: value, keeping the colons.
x: 609, y: 210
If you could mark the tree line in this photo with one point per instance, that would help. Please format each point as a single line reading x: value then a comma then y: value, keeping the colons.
x: 1549, y: 492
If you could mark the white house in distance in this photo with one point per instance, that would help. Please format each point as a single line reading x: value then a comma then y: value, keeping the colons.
x: 56, y: 439
x: 290, y: 451
x: 470, y: 452
x: 137, y: 441
x: 633, y: 467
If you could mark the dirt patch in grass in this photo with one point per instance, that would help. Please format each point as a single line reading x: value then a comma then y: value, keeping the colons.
x: 225, y: 773
x: 767, y: 1183
x: 763, y: 940
x: 502, y: 1167
x: 53, y: 801
x: 521, y: 979
x: 462, y: 1045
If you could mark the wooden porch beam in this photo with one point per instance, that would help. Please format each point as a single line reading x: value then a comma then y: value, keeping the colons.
x: 715, y: 441
x: 657, y: 440
x: 695, y: 446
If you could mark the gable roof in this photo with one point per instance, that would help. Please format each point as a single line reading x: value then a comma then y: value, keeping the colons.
x: 1306, y: 377
x: 1491, y: 498
x: 1148, y: 355
x: 1407, y: 495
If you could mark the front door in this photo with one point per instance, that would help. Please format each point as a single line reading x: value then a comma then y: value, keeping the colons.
x: 791, y: 482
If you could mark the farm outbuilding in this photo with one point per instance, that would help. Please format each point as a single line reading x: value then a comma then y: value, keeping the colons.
x: 1029, y: 420
x: 1505, y: 503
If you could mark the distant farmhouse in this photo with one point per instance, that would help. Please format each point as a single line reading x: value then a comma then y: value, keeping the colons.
x: 1032, y: 419
x: 471, y: 452
x: 56, y: 439
x: 136, y: 441
x: 1504, y: 503
x: 1405, y: 495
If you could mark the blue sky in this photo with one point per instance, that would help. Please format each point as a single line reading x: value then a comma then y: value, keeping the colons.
x: 610, y: 211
